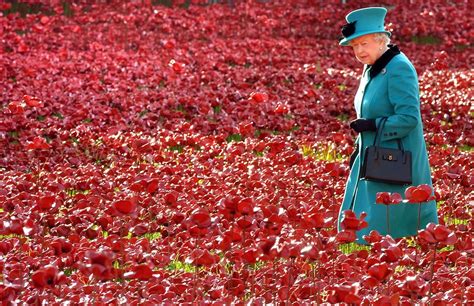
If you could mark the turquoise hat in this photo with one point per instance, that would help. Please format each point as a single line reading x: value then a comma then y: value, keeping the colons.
x: 363, y: 21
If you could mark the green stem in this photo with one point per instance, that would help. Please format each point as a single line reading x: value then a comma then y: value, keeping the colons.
x: 289, y: 280
x: 195, y: 294
x: 416, y: 255
x: 252, y: 289
x: 419, y: 218
x: 432, y: 270
x: 275, y: 292
x: 388, y: 219
x: 417, y: 229
x: 316, y: 273
x: 196, y: 268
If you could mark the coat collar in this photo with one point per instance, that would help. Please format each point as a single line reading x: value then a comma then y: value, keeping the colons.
x: 382, y: 61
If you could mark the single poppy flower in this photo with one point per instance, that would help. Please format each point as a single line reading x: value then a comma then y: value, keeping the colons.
x: 351, y: 222
x: 125, y: 207
x: 47, y: 277
x: 38, y: 143
x: 204, y: 258
x: 140, y: 272
x: 380, y: 271
x: 419, y: 194
x: 32, y: 101
x: 387, y: 198
x: 346, y: 236
x: 344, y: 294
x: 373, y: 237
x: 437, y: 233
x: 200, y: 217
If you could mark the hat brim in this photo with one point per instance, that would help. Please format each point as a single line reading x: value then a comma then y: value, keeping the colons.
x: 346, y: 40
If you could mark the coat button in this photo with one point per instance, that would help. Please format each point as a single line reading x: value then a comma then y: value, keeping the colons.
x: 385, y: 134
x: 395, y: 133
x: 390, y: 134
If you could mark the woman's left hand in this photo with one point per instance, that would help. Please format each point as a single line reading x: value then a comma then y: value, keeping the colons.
x: 362, y: 125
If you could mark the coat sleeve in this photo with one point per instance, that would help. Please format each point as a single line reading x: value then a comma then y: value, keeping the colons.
x: 403, y: 94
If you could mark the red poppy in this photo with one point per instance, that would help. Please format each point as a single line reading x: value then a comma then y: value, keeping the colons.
x: 47, y: 277
x: 156, y: 289
x: 344, y: 294
x: 310, y: 252
x: 314, y: 221
x: 437, y: 233
x: 290, y: 250
x: 16, y: 108
x: 392, y: 299
x: 388, y: 198
x: 281, y: 109
x: 346, y: 236
x: 200, y: 217
x: 380, y: 271
x: 413, y: 285
x: 245, y: 206
x: 125, y: 206
x: 202, y: 257
x: 46, y: 202
x: 235, y: 286
x: 38, y: 143
x: 32, y: 101
x: 141, y: 272
x: 251, y: 255
x: 244, y: 222
x: 419, y: 194
x: 171, y: 198
x: 61, y: 246
x: 258, y: 97
x: 152, y: 185
x: 373, y: 237
x: 100, y: 264
x: 246, y: 128
x: 391, y: 253
x: 176, y: 66
x: 351, y: 222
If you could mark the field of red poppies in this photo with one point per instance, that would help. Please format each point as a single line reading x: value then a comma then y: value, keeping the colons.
x: 160, y: 155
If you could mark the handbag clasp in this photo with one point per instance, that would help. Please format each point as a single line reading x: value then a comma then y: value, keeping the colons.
x: 389, y: 157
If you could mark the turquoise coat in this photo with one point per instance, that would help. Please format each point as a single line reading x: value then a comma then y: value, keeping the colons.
x: 392, y: 93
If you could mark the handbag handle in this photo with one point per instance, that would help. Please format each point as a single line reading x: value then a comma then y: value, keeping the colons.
x: 378, y: 135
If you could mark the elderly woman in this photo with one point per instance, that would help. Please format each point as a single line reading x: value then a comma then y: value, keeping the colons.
x: 388, y: 89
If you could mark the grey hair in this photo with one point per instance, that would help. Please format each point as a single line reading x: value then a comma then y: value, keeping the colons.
x: 382, y: 37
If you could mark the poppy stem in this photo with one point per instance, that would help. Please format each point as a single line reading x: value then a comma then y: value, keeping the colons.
x: 416, y: 255
x: 195, y: 295
x: 252, y: 289
x: 196, y: 269
x: 275, y: 292
x: 315, y: 273
x: 419, y: 218
x: 417, y: 229
x: 432, y: 270
x: 388, y: 219
x: 289, y: 281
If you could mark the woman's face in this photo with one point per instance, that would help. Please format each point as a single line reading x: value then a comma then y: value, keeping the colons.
x: 367, y: 49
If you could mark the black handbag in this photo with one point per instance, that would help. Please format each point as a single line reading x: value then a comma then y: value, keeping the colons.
x: 386, y: 165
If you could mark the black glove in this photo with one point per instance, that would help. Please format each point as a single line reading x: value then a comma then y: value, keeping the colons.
x: 362, y: 125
